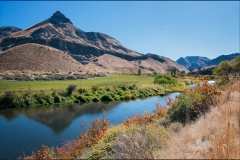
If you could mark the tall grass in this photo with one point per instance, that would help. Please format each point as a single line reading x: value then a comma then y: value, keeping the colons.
x: 140, y: 143
x: 215, y: 135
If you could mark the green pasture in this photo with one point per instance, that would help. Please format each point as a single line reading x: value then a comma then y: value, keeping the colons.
x: 114, y: 79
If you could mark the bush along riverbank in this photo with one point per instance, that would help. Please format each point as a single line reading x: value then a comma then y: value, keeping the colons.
x: 141, y: 136
x: 73, y: 94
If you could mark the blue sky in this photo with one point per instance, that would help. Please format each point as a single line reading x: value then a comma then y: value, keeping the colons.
x: 171, y: 29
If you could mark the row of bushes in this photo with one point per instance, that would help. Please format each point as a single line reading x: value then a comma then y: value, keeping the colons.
x: 13, y: 99
x: 48, y: 77
x: 23, y: 77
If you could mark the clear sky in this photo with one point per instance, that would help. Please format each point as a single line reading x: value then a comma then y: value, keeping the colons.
x: 171, y: 29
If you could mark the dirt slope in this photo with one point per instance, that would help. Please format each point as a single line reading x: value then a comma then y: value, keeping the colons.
x: 37, y: 57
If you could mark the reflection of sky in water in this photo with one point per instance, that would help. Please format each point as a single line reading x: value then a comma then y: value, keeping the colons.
x: 25, y: 130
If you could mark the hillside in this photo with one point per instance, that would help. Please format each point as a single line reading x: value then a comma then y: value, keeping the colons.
x: 37, y: 57
x: 217, y: 60
x: 193, y: 62
x: 88, y: 48
x: 8, y: 30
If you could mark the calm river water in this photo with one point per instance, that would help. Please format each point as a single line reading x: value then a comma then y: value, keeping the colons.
x: 24, y: 130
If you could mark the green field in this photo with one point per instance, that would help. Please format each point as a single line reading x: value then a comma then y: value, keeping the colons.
x: 114, y: 79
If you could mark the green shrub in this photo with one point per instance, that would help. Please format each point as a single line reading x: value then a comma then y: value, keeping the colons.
x: 82, y: 90
x: 76, y: 101
x: 180, y: 110
x: 82, y: 98
x: 49, y: 99
x: 71, y: 88
x: 124, y: 88
x: 108, y: 89
x: 94, y: 88
x: 28, y: 101
x: 57, y: 99
x: 186, y: 82
x: 107, y: 97
x: 127, y: 96
x: 164, y: 79
x: 9, y: 100
x: 132, y: 87
x: 95, y: 99
x: 193, y: 103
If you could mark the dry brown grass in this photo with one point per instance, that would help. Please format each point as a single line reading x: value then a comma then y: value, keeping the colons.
x: 215, y: 135
x: 139, y: 142
x: 38, y: 58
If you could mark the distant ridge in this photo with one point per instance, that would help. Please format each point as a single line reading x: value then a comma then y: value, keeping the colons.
x: 193, y: 62
x: 221, y: 58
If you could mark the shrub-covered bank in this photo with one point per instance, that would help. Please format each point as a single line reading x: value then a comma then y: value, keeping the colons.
x: 73, y: 94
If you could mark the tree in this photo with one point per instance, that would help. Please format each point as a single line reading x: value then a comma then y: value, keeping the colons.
x: 223, y: 69
x: 139, y: 72
x: 183, y: 73
x: 236, y: 65
x: 71, y: 88
x: 154, y: 73
x: 173, y: 71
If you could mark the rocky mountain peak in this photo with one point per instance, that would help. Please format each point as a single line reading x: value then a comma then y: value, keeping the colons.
x: 58, y: 18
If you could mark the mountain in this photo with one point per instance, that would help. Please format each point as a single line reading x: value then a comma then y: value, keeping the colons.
x: 221, y: 58
x: 96, y: 51
x: 8, y: 30
x: 193, y: 62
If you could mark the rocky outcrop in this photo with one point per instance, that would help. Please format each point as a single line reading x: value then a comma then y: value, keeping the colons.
x: 7, y: 31
x: 59, y: 18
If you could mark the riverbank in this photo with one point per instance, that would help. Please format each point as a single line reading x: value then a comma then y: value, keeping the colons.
x: 113, y: 88
x: 150, y: 135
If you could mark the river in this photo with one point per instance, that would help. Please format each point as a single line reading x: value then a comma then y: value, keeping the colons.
x: 24, y: 130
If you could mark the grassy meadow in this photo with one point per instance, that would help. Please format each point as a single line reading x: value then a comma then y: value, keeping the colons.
x: 113, y: 79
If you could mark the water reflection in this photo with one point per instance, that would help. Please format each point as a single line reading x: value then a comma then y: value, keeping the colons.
x: 57, y: 117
